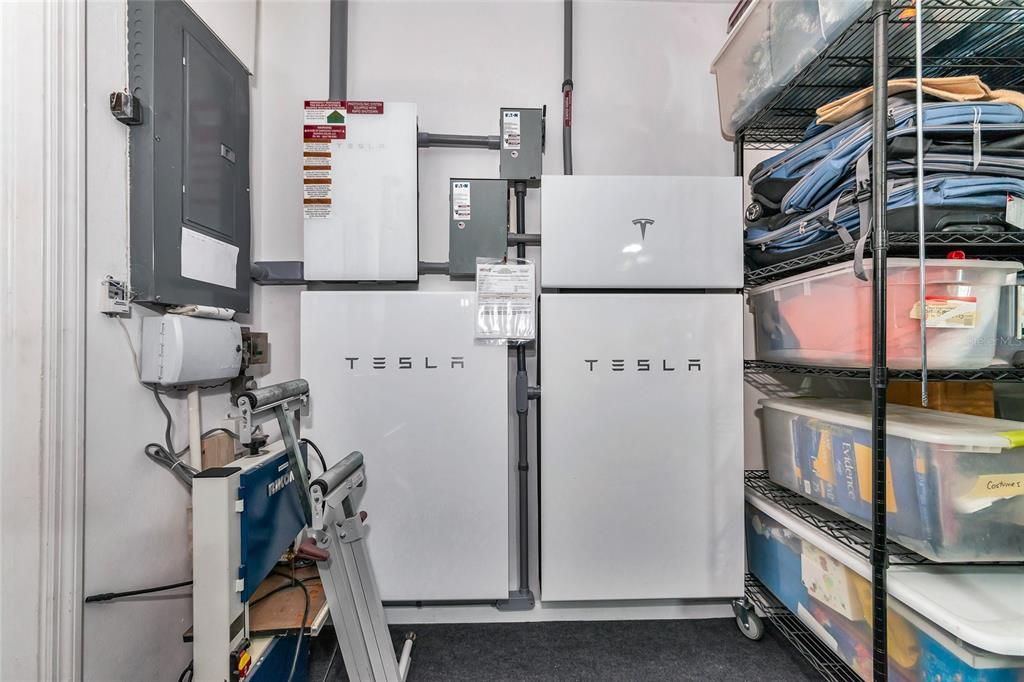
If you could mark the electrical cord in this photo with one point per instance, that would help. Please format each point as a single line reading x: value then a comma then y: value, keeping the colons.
x: 166, y: 456
x: 189, y: 671
x: 305, y: 616
x: 323, y: 462
x: 108, y: 596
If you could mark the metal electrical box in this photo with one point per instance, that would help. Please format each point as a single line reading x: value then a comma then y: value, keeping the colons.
x: 360, y: 196
x: 477, y: 223
x: 641, y: 482
x: 398, y: 376
x: 522, y: 144
x: 641, y: 232
x: 190, y: 212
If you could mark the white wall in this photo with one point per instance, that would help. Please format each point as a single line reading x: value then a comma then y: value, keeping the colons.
x: 136, y: 532
x: 645, y: 103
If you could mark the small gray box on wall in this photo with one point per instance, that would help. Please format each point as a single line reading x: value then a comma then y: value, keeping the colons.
x: 190, y: 212
x: 522, y: 144
x: 477, y: 223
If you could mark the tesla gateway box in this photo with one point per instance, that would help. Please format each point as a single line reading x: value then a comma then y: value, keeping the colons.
x: 641, y: 232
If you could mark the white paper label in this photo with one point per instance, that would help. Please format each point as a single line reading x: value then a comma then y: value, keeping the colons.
x: 510, y: 130
x: 207, y: 259
x: 505, y: 298
x: 947, y: 312
x: 1015, y: 211
x: 461, y: 203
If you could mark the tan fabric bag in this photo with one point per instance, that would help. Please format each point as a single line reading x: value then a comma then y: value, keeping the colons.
x: 953, y: 89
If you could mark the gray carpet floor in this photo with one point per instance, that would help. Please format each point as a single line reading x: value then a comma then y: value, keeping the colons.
x: 703, y: 650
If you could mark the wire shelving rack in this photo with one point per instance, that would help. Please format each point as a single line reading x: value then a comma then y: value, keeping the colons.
x: 978, y: 37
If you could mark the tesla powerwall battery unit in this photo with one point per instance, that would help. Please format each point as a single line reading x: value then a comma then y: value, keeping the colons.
x: 639, y: 232
x: 398, y: 376
x: 642, y: 433
x: 360, y: 191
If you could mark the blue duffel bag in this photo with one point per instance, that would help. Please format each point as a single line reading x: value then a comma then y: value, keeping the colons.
x: 953, y: 203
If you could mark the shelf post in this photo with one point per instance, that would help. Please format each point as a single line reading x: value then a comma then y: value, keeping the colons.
x: 879, y: 371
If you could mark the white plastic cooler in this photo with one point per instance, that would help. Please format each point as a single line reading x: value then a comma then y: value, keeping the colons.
x: 824, y: 317
x: 956, y: 490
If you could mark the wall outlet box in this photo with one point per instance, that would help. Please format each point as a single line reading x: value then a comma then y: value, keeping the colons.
x: 177, y: 349
x: 113, y: 297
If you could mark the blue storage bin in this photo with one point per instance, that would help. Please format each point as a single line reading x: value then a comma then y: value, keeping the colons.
x: 971, y: 628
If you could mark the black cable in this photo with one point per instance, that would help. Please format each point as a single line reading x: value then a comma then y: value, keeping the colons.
x: 302, y: 625
x: 189, y: 670
x: 323, y: 462
x: 107, y: 596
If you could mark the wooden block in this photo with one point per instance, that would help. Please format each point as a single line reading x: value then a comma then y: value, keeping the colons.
x: 218, y: 450
x: 964, y: 397
x: 282, y: 611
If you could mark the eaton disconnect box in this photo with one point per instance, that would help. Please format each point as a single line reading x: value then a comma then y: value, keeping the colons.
x: 360, y: 191
x: 477, y: 223
x: 399, y: 377
x: 621, y: 232
x: 641, y: 480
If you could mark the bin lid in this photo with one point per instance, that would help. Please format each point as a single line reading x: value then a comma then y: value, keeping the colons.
x: 980, y: 605
x: 967, y: 432
x: 1007, y: 268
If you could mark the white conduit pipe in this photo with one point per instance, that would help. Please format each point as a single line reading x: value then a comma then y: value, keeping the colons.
x: 918, y: 16
x: 195, y: 429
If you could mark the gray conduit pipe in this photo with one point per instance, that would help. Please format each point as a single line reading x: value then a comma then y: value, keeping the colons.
x: 567, y: 86
x: 338, y: 78
x: 458, y: 141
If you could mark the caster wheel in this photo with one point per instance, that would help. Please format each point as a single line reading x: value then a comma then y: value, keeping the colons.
x: 753, y: 628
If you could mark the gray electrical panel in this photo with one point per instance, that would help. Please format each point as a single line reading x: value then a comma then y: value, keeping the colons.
x: 522, y: 144
x: 477, y: 223
x: 190, y: 212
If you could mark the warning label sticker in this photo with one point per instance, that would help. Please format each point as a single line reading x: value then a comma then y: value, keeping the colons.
x: 948, y: 312
x: 461, y: 202
x: 364, y: 107
x: 511, y: 135
x: 324, y: 125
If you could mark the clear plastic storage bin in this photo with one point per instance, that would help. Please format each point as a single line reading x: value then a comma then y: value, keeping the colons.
x: 824, y: 317
x: 955, y: 624
x: 956, y: 481
x: 772, y: 42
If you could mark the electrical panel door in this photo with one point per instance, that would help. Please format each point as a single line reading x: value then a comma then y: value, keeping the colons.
x: 399, y: 377
x: 642, y: 439
x: 190, y: 210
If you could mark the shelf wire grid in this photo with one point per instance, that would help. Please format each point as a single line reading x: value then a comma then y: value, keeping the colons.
x: 993, y: 246
x: 814, y: 651
x: 849, y: 533
x: 754, y: 368
x: 978, y: 37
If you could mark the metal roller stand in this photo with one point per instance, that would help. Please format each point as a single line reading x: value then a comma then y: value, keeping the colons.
x: 348, y: 579
x: 281, y: 401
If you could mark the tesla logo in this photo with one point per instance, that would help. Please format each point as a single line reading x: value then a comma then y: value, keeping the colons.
x: 408, y: 362
x: 643, y: 224
x: 642, y: 365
